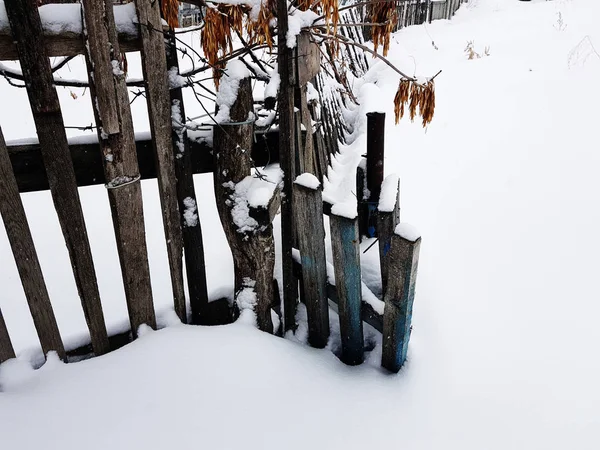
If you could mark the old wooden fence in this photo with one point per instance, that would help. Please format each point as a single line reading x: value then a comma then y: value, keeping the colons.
x: 119, y: 161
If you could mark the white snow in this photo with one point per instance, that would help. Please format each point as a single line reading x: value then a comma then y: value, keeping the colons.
x: 235, y: 71
x: 345, y: 209
x: 389, y: 193
x: 407, y: 231
x: 308, y: 180
x: 175, y: 80
x: 190, y: 214
x: 66, y: 18
x: 272, y: 87
x: 502, y: 352
x: 296, y: 22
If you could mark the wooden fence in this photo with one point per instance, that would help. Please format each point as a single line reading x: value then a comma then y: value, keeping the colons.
x: 119, y: 161
x: 116, y: 160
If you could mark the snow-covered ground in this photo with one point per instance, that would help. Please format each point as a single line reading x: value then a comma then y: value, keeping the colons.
x: 503, y: 187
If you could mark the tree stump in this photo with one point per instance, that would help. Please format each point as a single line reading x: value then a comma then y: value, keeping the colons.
x: 251, y: 241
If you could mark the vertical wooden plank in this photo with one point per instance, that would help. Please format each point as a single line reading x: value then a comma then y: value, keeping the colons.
x: 192, y: 232
x: 388, y: 217
x: 115, y: 134
x: 26, y: 29
x: 308, y: 205
x: 287, y: 163
x: 397, y: 316
x: 28, y: 265
x: 345, y: 244
x: 375, y: 166
x: 6, y: 349
x: 154, y: 68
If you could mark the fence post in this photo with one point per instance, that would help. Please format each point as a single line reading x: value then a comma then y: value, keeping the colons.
x: 399, y: 297
x: 286, y: 158
x: 115, y: 133
x: 195, y: 264
x: 26, y: 29
x: 308, y: 206
x: 154, y: 68
x: 375, y: 166
x: 345, y: 244
x: 388, y: 216
x: 28, y: 265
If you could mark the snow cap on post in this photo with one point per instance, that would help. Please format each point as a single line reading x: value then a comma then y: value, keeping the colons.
x: 308, y: 180
x: 389, y: 193
x: 347, y: 210
x: 408, y: 232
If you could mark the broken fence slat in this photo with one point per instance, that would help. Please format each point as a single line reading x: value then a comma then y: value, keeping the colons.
x: 345, y: 245
x: 28, y: 265
x: 399, y: 297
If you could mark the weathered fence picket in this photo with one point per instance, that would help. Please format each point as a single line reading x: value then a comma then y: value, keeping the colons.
x: 154, y: 68
x: 115, y: 134
x: 195, y: 265
x: 308, y: 209
x: 345, y: 244
x: 28, y: 265
x: 399, y: 296
x: 26, y: 27
x: 388, y: 216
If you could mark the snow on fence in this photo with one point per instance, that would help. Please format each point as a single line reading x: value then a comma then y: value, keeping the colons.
x: 119, y: 160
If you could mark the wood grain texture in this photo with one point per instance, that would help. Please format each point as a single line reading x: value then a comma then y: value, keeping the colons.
x: 195, y: 265
x: 287, y: 162
x: 6, y: 348
x: 28, y: 265
x: 399, y: 298
x: 29, y: 170
x: 253, y: 250
x: 154, y: 68
x: 345, y: 244
x: 386, y: 224
x: 308, y: 209
x: 67, y: 44
x: 111, y: 104
x: 27, y: 30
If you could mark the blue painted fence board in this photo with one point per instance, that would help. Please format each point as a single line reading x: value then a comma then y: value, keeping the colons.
x: 345, y: 243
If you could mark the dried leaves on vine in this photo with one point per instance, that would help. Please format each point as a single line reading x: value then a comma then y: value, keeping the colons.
x: 385, y: 14
x: 421, y: 96
x: 170, y: 11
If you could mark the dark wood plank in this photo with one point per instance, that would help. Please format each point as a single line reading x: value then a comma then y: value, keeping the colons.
x: 386, y: 224
x: 397, y: 317
x: 286, y: 158
x: 308, y: 59
x: 195, y: 264
x: 31, y: 175
x: 115, y: 133
x: 154, y: 68
x: 308, y: 208
x: 267, y: 214
x: 345, y: 244
x: 28, y: 265
x: 27, y: 30
x: 6, y: 349
x: 67, y: 44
